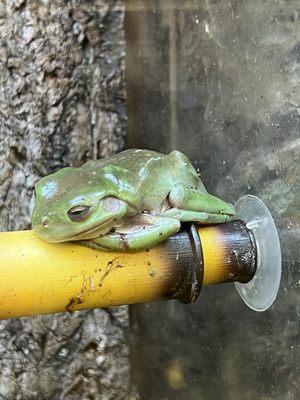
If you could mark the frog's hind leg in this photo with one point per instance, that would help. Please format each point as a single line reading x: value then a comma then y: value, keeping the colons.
x: 193, y: 199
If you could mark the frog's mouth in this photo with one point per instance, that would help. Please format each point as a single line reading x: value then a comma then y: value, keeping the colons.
x: 94, y: 232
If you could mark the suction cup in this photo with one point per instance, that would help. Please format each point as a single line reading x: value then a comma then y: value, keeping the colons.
x: 260, y: 293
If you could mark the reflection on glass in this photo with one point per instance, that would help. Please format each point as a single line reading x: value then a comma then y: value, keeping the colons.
x: 219, y: 80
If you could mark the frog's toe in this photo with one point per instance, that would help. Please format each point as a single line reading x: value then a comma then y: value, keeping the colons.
x: 228, y: 209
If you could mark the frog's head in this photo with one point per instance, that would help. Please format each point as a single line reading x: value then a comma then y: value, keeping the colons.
x: 72, y: 205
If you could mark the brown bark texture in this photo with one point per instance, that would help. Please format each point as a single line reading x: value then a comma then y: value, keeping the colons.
x: 62, y: 101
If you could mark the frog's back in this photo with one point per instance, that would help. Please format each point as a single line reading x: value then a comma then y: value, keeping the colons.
x: 131, y: 159
x: 153, y: 174
x: 137, y: 161
x: 148, y: 165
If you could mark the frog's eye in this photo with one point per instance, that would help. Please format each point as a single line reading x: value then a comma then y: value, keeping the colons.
x: 79, y: 213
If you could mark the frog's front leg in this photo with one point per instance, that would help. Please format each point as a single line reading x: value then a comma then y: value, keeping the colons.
x: 192, y: 204
x: 142, y: 232
x: 196, y: 216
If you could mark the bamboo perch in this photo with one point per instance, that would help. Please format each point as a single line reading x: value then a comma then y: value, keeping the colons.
x: 37, y: 277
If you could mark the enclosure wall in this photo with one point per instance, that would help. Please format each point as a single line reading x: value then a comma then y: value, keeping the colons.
x: 219, y: 81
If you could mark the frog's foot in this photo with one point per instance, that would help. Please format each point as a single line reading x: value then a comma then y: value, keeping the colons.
x: 142, y: 232
x: 214, y: 210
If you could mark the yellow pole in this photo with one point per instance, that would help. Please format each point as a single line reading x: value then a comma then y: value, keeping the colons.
x: 37, y: 277
x: 229, y: 253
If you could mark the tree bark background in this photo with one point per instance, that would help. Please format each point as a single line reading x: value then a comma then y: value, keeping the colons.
x: 62, y: 101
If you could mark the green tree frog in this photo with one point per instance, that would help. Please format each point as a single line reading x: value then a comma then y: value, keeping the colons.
x: 131, y: 201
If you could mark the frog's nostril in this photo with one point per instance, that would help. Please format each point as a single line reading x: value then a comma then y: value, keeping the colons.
x: 45, y: 222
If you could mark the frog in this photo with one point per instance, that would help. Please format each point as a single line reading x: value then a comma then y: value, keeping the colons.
x: 131, y: 201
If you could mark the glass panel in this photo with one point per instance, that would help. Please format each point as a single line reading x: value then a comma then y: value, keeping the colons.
x: 219, y: 80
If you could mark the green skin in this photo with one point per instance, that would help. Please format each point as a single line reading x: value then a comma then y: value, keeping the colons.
x: 131, y: 201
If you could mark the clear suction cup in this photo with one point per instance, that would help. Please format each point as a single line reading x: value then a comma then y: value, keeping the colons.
x: 260, y: 293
